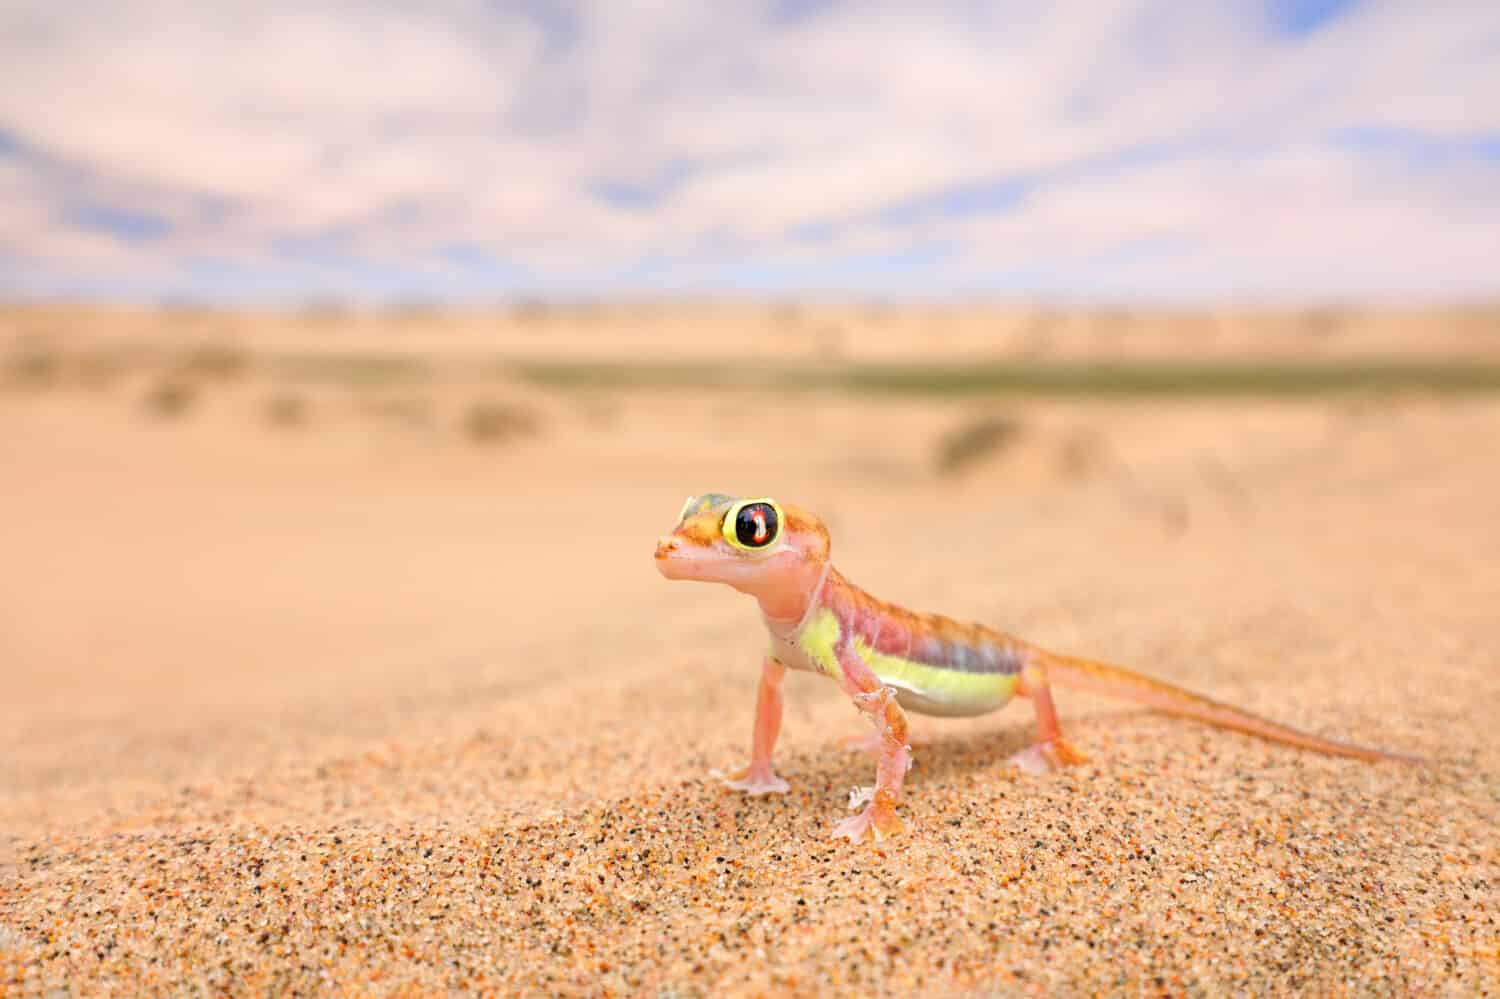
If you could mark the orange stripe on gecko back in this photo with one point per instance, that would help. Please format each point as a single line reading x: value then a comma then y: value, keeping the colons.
x: 928, y: 639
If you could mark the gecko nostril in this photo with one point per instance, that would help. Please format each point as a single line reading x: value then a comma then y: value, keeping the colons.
x: 665, y: 546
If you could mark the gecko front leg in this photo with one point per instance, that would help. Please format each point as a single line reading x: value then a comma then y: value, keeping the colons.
x: 758, y: 778
x: 879, y: 817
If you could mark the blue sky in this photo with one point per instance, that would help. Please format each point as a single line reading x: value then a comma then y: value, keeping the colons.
x: 1276, y: 150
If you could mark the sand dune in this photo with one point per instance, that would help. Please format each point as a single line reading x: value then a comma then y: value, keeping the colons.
x: 368, y: 693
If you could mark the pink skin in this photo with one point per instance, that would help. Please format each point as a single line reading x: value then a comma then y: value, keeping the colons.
x: 792, y: 572
x: 758, y: 777
x: 867, y: 744
x: 879, y: 702
x: 782, y: 579
x: 785, y: 579
x: 1050, y: 751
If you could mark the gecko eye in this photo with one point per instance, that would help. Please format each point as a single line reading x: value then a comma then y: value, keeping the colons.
x: 753, y: 525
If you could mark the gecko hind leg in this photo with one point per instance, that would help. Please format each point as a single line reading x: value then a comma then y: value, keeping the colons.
x: 1050, y: 751
x: 758, y: 777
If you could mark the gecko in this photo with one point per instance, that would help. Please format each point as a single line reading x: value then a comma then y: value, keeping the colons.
x: 890, y: 660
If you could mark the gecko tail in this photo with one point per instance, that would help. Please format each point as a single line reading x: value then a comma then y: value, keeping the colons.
x: 1124, y: 684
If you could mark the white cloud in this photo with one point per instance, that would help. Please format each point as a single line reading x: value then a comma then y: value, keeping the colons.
x: 1304, y: 222
x: 362, y: 129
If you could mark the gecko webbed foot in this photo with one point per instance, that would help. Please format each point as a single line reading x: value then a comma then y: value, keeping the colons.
x: 873, y: 822
x: 1046, y: 757
x: 756, y: 781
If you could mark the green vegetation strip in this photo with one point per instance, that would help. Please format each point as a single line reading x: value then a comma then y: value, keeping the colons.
x: 371, y: 369
x: 1036, y: 379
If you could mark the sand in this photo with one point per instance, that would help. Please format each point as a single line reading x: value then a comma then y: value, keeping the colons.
x: 370, y: 705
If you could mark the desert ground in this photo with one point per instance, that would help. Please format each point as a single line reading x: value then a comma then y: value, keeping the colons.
x: 333, y: 658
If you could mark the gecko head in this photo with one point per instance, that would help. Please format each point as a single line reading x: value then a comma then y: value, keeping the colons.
x: 758, y: 546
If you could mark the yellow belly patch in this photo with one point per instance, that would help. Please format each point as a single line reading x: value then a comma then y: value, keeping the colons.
x: 920, y: 687
x: 817, y: 640
x: 934, y: 690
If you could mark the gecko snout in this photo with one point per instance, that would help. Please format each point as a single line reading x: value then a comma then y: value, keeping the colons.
x: 666, y: 546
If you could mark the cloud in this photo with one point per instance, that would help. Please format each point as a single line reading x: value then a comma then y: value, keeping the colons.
x: 1109, y: 148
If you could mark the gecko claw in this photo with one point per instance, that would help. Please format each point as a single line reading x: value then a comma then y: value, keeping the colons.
x: 756, y: 781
